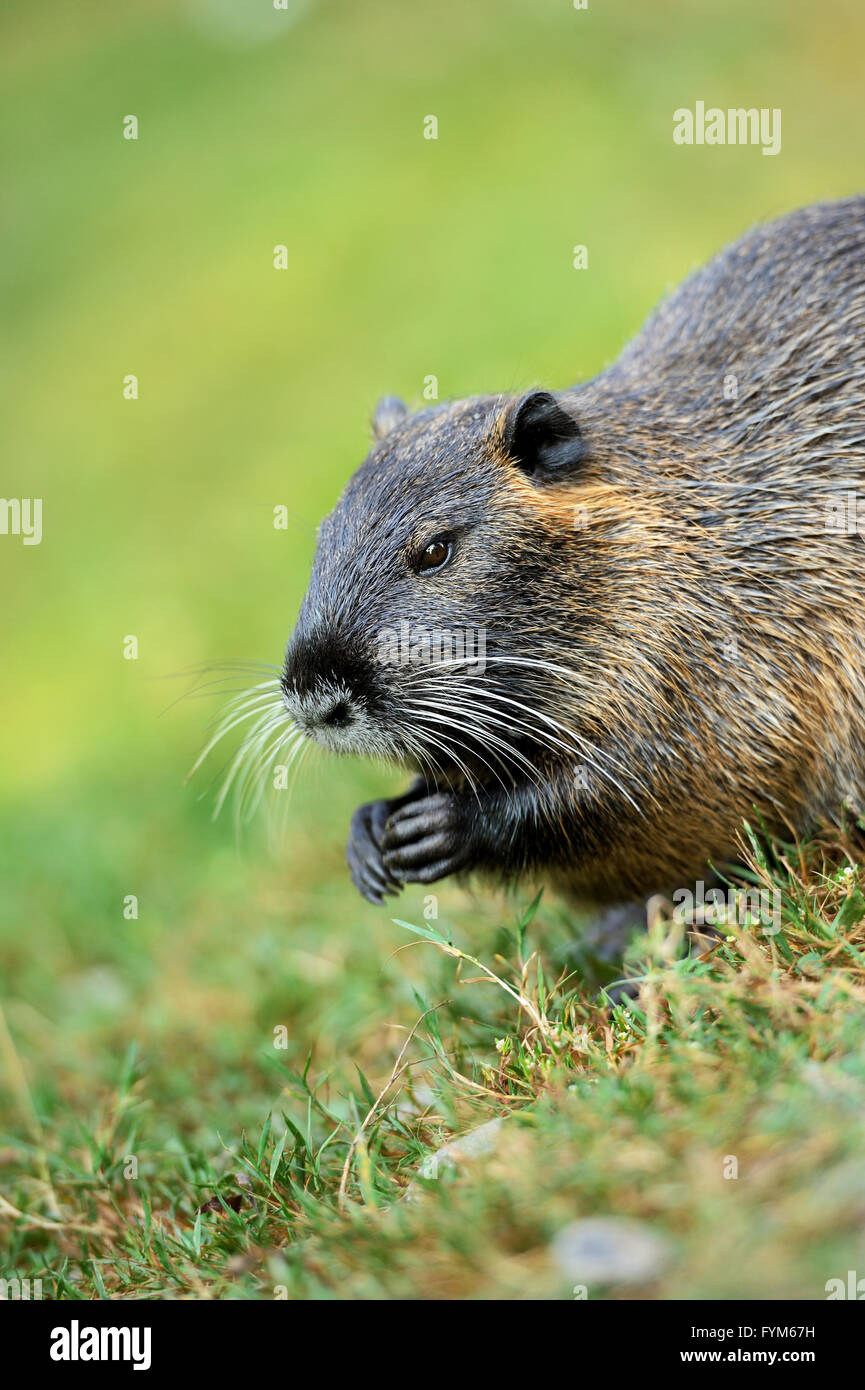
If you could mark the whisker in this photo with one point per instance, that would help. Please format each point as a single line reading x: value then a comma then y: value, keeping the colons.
x: 477, y: 724
x: 232, y: 717
x: 576, y: 746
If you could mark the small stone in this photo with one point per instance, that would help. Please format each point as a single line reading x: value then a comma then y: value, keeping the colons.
x: 478, y: 1143
x: 609, y: 1250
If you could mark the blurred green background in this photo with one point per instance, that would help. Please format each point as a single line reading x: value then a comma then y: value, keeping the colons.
x: 406, y: 257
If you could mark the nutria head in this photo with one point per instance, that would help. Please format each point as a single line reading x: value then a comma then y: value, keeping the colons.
x: 447, y: 581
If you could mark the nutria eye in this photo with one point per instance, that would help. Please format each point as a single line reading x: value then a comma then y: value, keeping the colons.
x: 434, y: 555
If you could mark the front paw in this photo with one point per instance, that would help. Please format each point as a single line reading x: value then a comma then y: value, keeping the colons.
x: 428, y: 839
x: 363, y: 852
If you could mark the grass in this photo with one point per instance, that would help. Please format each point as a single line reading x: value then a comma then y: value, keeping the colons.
x: 745, y: 1054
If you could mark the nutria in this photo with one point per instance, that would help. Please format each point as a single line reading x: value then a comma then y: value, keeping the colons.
x: 650, y: 588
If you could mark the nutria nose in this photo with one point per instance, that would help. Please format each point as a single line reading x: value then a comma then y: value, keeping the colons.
x: 316, y: 661
x: 318, y: 709
x: 339, y: 716
x: 314, y: 688
x: 325, y: 682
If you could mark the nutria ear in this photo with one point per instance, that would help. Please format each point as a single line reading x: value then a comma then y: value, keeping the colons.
x: 389, y: 411
x: 542, y: 438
